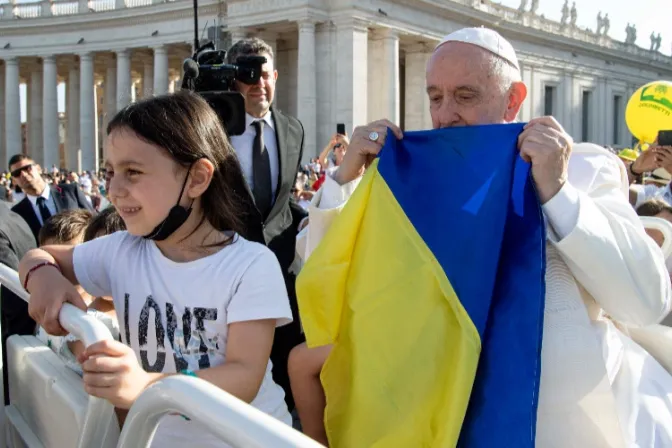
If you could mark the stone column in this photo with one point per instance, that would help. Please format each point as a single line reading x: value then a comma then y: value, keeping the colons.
x: 271, y: 39
x: 351, y: 80
x: 87, y: 124
x: 110, y: 94
x: 12, y: 107
x: 3, y: 147
x: 384, y: 76
x: 417, y: 102
x: 50, y: 114
x: 160, y: 70
x: 306, y: 92
x: 148, y: 79
x: 570, y: 105
x: 601, y: 115
x: 35, y: 124
x: 123, y: 79
x: 72, y: 152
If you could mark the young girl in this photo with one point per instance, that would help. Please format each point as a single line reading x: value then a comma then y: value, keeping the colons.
x: 192, y: 296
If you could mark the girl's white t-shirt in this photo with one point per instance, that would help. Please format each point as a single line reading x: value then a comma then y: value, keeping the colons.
x: 175, y: 316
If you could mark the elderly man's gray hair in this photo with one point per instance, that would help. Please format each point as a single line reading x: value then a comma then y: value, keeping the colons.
x: 503, y: 72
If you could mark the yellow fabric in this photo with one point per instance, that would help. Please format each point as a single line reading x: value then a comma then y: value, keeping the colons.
x: 405, y: 354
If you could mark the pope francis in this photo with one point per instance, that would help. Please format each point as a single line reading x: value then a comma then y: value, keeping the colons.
x: 600, y: 262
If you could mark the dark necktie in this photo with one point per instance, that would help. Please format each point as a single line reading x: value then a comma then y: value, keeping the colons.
x: 261, y: 172
x: 44, y: 210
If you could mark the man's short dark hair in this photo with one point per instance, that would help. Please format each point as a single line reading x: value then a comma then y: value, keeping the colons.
x: 104, y: 223
x: 250, y: 46
x: 16, y: 158
x: 65, y: 227
x: 653, y: 207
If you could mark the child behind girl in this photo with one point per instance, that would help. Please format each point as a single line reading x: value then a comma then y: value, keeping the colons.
x: 72, y: 227
x: 193, y: 296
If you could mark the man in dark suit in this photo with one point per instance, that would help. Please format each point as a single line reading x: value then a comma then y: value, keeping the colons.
x: 270, y: 152
x: 42, y: 200
x: 15, y: 240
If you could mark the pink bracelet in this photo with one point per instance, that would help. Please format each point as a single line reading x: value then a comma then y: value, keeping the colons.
x: 35, y: 268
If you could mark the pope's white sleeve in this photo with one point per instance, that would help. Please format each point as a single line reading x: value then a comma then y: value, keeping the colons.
x: 607, y: 249
x: 324, y: 208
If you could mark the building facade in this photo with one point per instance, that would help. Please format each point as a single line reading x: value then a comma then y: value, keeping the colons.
x: 340, y: 61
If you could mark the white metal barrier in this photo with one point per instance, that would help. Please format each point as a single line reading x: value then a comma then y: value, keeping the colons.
x: 227, y: 417
x: 664, y: 227
x: 234, y: 421
x: 89, y: 331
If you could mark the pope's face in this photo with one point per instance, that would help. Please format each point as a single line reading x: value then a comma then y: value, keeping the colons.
x: 464, y: 91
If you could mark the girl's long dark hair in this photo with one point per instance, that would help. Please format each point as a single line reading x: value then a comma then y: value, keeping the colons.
x: 185, y: 126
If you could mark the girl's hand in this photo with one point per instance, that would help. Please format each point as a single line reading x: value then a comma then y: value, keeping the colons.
x: 49, y: 290
x: 112, y: 372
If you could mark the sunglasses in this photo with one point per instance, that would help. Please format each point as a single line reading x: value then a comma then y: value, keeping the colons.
x: 17, y: 172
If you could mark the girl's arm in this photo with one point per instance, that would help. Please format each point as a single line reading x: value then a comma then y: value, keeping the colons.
x: 58, y: 255
x: 50, y: 277
x: 247, y: 352
x: 112, y: 372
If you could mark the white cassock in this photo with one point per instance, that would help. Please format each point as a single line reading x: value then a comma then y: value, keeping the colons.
x: 599, y: 261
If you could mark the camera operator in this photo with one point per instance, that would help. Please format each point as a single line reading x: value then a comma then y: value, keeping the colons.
x: 270, y: 152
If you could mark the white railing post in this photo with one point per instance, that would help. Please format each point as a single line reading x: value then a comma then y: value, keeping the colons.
x: 45, y: 8
x: 232, y: 420
x: 8, y: 10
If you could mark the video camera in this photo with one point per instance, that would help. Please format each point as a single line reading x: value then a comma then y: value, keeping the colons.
x: 208, y: 74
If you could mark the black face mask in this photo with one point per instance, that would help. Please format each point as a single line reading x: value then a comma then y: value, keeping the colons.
x: 177, y: 216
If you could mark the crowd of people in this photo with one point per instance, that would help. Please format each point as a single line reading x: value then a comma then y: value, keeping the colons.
x: 165, y: 228
x: 91, y: 184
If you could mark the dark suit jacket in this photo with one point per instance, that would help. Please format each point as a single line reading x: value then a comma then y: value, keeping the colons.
x: 66, y: 197
x: 278, y: 232
x: 15, y: 240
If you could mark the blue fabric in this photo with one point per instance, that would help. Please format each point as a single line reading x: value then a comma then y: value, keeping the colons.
x: 489, y: 237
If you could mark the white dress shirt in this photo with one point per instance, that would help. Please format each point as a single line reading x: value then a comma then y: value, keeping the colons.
x: 599, y: 260
x: 51, y: 205
x: 646, y: 192
x: 243, y: 146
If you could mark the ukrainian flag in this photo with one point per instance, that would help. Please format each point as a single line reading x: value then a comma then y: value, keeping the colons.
x: 430, y: 285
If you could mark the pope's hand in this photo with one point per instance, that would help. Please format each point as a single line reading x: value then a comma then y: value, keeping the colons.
x: 547, y: 146
x: 363, y: 149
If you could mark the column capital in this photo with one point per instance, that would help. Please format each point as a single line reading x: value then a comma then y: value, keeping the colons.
x: 385, y: 33
x: 49, y: 59
x: 122, y: 52
x: 85, y: 55
x: 352, y: 23
x: 306, y: 24
x: 160, y: 48
x: 11, y: 60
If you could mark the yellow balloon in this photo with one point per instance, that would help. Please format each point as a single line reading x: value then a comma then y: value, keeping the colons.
x: 650, y: 110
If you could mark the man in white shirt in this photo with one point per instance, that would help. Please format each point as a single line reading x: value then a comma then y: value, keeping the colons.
x: 599, y: 259
x: 270, y: 152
